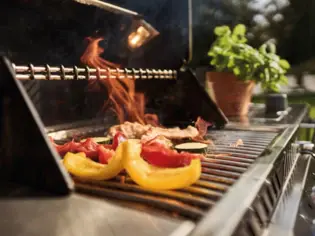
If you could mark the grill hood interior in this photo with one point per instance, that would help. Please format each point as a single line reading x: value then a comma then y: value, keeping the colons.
x: 176, y: 102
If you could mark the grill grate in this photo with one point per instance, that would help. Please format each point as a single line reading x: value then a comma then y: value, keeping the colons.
x: 219, y: 172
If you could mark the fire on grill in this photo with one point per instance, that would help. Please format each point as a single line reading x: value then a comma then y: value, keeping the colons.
x: 140, y: 145
x: 146, y: 154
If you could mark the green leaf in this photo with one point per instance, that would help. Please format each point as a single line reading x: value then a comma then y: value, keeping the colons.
x: 284, y: 64
x: 213, y: 62
x: 222, y: 30
x: 240, y: 30
x: 263, y: 49
x: 236, y: 71
x: 229, y: 52
x: 274, y: 87
x: 231, y: 62
x: 271, y: 48
x: 283, y: 79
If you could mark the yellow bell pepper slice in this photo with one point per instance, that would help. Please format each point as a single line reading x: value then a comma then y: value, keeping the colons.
x: 156, y: 178
x: 79, y: 165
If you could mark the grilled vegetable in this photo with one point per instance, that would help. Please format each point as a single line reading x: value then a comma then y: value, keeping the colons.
x: 104, y: 154
x: 192, y: 147
x: 100, y: 140
x: 118, y: 138
x: 158, y: 155
x: 67, y: 147
x: 157, y: 140
x: 91, y: 149
x: 156, y: 178
x: 81, y: 166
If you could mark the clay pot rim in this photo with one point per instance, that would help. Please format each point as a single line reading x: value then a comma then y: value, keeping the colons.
x: 239, y: 81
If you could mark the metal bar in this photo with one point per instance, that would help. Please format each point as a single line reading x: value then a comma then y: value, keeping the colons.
x: 65, y: 73
x: 188, y: 199
x: 226, y: 161
x: 221, y: 173
x: 215, y: 178
x: 190, y: 31
x: 236, y: 150
x: 307, y: 125
x: 225, y: 158
x: 165, y: 204
x: 212, y: 185
x: 108, y: 7
x: 236, y: 154
x: 242, y: 147
x: 224, y: 167
x: 251, y: 140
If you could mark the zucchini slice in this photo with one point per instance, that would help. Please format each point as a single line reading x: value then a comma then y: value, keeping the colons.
x: 193, y: 147
x: 100, y: 140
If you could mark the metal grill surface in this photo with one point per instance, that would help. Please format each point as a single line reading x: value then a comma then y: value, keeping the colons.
x: 224, y: 165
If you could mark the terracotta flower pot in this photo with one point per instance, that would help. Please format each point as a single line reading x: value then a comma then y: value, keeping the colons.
x: 231, y: 95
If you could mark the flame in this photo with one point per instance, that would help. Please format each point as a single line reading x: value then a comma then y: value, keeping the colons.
x: 239, y: 142
x: 125, y: 102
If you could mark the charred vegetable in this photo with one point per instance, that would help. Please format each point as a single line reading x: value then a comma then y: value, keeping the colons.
x: 81, y: 166
x: 100, y: 140
x: 192, y: 147
x: 157, y: 178
x: 128, y: 156
x: 161, y: 156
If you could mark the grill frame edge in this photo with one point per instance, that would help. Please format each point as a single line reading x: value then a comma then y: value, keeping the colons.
x: 255, y: 178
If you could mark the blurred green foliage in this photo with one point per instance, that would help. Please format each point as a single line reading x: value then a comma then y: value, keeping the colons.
x: 230, y: 52
x: 290, y: 24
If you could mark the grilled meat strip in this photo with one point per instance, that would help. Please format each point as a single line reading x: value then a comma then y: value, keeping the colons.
x: 147, y: 132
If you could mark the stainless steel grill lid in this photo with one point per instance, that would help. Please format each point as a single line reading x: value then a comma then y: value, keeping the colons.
x: 27, y: 156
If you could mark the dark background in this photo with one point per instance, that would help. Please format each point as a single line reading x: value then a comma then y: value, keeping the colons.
x: 53, y: 31
x: 288, y: 23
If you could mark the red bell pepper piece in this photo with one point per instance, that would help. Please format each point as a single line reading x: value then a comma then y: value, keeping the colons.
x: 160, y: 156
x: 67, y: 147
x: 107, y: 146
x: 104, y: 154
x: 118, y: 138
x: 89, y: 147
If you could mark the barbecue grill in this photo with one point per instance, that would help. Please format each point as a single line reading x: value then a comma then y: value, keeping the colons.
x: 263, y: 187
x: 243, y: 190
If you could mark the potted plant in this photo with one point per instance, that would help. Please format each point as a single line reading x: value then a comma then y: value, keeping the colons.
x: 239, y: 67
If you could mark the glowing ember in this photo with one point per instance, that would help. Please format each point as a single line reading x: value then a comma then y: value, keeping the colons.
x: 239, y: 142
x: 125, y: 102
x: 219, y: 155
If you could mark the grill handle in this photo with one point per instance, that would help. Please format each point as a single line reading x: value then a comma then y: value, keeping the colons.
x: 47, y: 72
x: 310, y: 125
x: 307, y: 125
